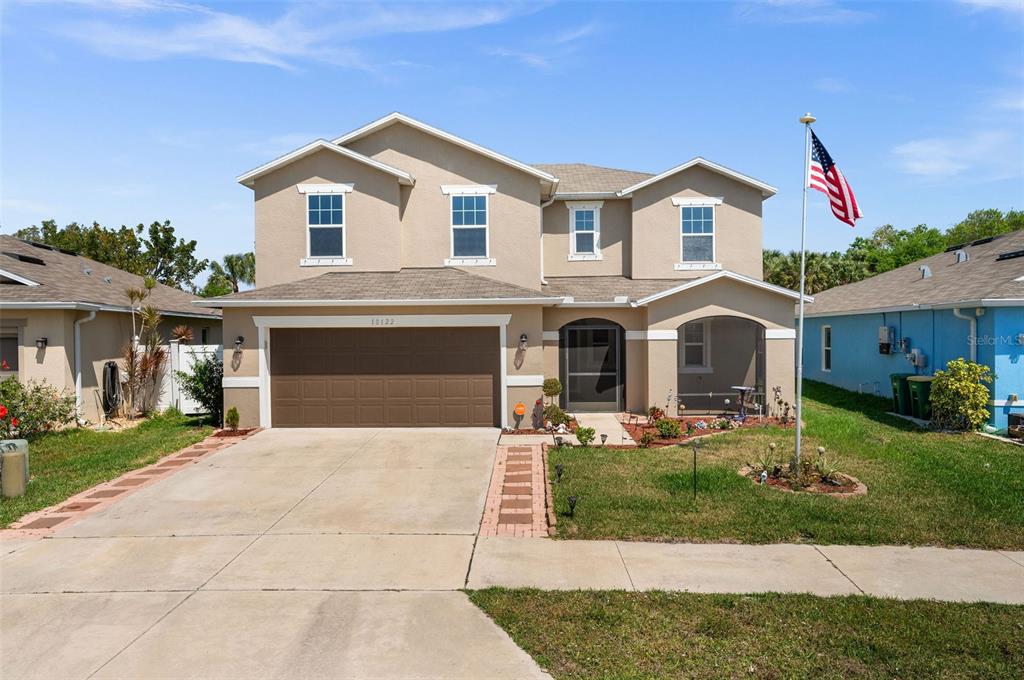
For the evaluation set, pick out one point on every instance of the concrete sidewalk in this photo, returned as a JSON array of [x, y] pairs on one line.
[[884, 571]]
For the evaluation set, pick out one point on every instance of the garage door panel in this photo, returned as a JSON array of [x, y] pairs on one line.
[[384, 377]]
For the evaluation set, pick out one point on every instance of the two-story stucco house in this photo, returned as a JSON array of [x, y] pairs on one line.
[[406, 276]]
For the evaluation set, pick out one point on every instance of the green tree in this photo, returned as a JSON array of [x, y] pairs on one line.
[[154, 251], [226, 278], [984, 223], [888, 247]]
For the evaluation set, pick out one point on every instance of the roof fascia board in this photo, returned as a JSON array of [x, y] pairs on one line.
[[757, 283], [18, 277], [984, 302], [316, 145], [92, 307], [378, 303], [447, 136], [767, 190]]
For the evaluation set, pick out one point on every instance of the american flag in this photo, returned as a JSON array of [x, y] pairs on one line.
[[826, 178]]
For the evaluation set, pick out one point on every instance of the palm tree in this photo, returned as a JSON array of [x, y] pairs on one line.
[[237, 268]]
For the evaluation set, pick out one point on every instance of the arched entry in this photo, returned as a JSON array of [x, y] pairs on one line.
[[592, 365], [718, 355]]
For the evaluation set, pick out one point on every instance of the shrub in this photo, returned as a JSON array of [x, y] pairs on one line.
[[231, 418], [959, 396], [646, 439], [585, 435], [204, 384], [552, 387], [654, 413], [555, 414], [26, 410], [667, 428]]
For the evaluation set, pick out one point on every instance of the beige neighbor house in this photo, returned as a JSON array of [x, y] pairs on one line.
[[62, 317], [406, 276]]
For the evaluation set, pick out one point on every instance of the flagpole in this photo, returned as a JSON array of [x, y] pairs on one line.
[[806, 119]]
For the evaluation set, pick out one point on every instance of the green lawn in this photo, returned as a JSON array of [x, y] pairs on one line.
[[65, 463], [594, 634], [924, 488]]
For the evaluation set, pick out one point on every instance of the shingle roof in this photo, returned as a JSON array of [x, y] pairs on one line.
[[442, 283], [64, 278], [981, 277], [606, 288], [580, 178]]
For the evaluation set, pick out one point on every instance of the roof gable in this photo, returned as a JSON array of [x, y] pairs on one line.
[[393, 118], [724, 274], [249, 178], [766, 189]]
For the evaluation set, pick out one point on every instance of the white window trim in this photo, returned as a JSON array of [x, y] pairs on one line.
[[829, 346], [315, 189], [468, 189], [573, 206], [345, 188], [696, 201], [452, 260], [713, 264], [706, 368]]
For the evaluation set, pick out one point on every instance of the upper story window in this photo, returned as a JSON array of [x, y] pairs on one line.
[[697, 233], [585, 231], [470, 222], [326, 237]]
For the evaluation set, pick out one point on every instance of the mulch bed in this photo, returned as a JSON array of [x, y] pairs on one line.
[[572, 425], [637, 430], [233, 433], [848, 486]]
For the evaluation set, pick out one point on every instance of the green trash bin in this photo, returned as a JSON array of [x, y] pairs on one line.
[[900, 393], [920, 396]]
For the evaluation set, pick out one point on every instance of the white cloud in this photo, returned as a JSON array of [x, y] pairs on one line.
[[986, 154], [573, 34], [533, 59], [156, 29], [550, 50], [832, 85], [799, 12], [1014, 6]]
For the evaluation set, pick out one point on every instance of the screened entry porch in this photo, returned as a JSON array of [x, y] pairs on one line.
[[721, 366]]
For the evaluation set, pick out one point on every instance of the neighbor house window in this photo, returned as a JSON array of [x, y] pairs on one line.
[[205, 335], [698, 234], [326, 221], [469, 226], [826, 348], [8, 352], [584, 231], [694, 347]]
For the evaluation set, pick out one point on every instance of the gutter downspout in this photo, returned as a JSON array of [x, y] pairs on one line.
[[972, 334], [543, 205], [79, 401]]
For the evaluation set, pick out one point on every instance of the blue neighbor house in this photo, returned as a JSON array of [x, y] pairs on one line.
[[967, 302]]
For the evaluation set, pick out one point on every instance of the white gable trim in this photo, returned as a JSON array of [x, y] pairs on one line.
[[757, 283], [16, 277], [766, 189], [318, 145], [447, 136]]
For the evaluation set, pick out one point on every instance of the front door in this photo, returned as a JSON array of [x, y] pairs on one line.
[[592, 368]]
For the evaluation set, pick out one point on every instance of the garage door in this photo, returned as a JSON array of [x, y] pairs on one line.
[[384, 377]]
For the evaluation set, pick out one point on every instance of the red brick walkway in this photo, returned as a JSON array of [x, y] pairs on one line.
[[96, 498], [516, 500]]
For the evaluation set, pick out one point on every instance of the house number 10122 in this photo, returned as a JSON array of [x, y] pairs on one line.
[[382, 321]]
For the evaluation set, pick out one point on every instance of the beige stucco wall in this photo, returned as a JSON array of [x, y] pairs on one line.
[[247, 401], [513, 211], [103, 339], [371, 218], [615, 241], [524, 319], [656, 224]]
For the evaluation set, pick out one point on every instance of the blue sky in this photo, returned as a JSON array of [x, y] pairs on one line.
[[130, 111]]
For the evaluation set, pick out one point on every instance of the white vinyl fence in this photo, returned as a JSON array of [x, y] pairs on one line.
[[180, 358]]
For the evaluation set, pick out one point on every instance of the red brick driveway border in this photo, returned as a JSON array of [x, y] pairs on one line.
[[517, 497], [44, 522]]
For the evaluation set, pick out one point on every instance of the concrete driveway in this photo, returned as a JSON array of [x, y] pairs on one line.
[[295, 553]]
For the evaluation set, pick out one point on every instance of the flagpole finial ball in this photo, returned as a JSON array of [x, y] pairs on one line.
[[807, 119]]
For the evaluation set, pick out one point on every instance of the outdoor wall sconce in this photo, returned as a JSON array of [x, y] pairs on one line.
[[522, 342], [41, 344], [238, 343]]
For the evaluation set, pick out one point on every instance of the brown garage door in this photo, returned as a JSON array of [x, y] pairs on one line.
[[384, 377]]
